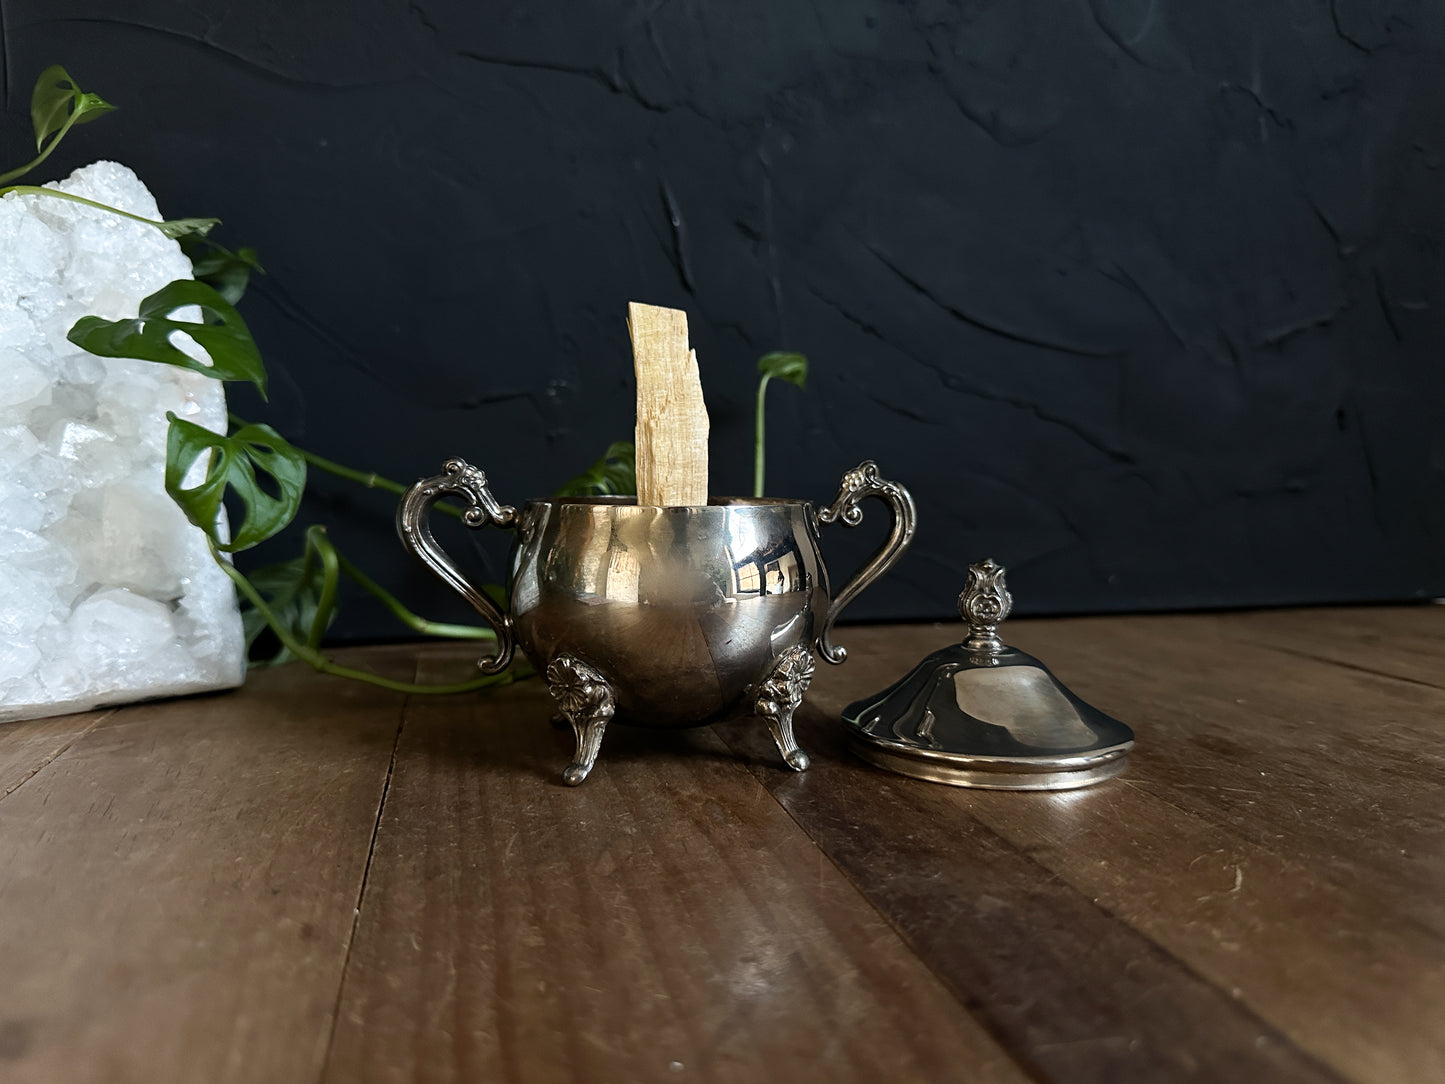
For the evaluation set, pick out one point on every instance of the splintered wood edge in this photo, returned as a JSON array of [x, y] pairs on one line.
[[672, 422]]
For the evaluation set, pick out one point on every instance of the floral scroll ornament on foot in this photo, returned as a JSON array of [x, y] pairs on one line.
[[585, 699], [779, 696]]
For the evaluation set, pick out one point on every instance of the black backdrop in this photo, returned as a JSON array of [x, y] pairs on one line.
[[1142, 298]]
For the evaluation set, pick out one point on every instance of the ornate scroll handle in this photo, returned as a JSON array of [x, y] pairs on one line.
[[864, 481], [464, 480]]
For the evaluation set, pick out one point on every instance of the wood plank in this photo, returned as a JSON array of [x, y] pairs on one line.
[[1074, 993], [1362, 995], [1333, 768], [177, 882], [664, 921], [177, 889], [1282, 911], [1399, 641], [29, 745]]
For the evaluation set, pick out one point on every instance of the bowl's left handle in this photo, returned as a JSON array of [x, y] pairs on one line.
[[463, 480]]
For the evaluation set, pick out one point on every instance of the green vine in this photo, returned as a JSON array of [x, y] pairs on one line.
[[780, 365], [57, 104], [252, 465], [252, 470]]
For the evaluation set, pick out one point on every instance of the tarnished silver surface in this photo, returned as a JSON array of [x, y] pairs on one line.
[[459, 478], [984, 603], [860, 482], [686, 613], [982, 714], [998, 773], [779, 696], [585, 700], [684, 609]]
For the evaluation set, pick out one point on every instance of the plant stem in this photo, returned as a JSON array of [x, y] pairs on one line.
[[369, 479], [37, 190], [326, 601], [42, 156], [320, 662], [758, 438], [406, 617]]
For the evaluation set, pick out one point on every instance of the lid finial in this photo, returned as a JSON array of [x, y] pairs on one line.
[[984, 604]]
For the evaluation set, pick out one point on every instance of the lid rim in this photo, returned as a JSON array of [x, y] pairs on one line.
[[1017, 776]]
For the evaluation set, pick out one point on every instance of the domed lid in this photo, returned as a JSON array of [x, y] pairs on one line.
[[983, 714]]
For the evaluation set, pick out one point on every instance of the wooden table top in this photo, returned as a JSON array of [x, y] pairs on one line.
[[311, 879]]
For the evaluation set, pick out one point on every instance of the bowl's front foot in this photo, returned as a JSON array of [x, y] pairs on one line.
[[778, 695], [585, 700]]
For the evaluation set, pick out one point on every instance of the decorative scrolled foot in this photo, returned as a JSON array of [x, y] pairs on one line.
[[779, 696], [585, 700]]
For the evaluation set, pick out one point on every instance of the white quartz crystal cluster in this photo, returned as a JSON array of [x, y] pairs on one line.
[[107, 594]]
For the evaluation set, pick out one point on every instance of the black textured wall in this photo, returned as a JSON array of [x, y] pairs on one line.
[[1142, 298]]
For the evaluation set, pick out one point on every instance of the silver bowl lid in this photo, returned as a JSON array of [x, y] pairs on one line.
[[983, 714]]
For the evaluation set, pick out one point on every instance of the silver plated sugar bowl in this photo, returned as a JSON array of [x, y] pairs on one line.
[[662, 617]]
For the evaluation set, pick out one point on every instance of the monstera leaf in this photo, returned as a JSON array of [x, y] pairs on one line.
[[237, 462], [615, 474], [57, 104], [220, 331], [784, 365]]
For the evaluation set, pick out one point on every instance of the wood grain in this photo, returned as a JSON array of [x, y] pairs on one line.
[[1404, 641], [28, 746], [672, 422], [1361, 994], [177, 889], [1313, 920], [1074, 993], [664, 921], [1260, 897], [1335, 768]]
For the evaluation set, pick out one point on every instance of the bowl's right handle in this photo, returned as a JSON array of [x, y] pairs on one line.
[[860, 482], [463, 480]]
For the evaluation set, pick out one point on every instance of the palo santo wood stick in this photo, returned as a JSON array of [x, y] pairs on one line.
[[672, 423]]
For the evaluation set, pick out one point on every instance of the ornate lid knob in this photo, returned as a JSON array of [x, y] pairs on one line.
[[984, 604]]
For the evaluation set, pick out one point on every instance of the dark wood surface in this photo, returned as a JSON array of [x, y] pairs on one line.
[[311, 880]]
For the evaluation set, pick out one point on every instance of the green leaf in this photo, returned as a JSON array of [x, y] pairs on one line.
[[224, 334], [58, 104], [229, 272], [292, 588], [237, 462], [779, 365], [615, 474], [784, 365], [188, 227], [301, 595]]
